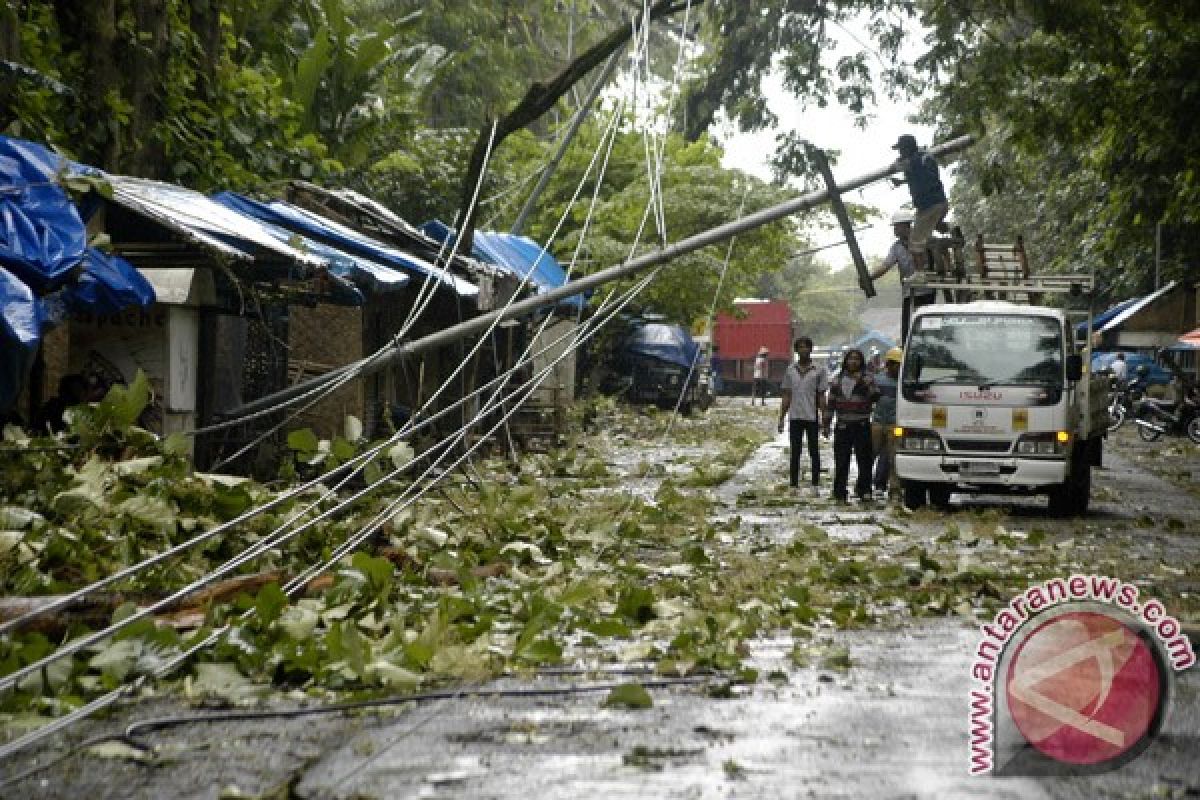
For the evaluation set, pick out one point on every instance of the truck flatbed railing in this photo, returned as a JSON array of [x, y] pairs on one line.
[[998, 271], [1065, 283]]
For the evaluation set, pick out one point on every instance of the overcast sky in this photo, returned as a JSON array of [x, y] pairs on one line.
[[861, 151]]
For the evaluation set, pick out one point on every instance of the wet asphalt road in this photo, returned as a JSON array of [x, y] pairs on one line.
[[894, 724]]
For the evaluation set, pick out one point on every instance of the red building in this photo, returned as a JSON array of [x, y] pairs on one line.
[[738, 337]]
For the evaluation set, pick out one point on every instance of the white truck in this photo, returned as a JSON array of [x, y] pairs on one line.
[[994, 399]]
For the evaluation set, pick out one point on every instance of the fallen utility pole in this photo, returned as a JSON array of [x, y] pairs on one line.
[[397, 352]]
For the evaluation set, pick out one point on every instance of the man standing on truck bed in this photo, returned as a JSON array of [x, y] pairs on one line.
[[928, 194], [898, 256], [803, 405]]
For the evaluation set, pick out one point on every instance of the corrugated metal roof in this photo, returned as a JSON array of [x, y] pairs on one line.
[[342, 237], [203, 221], [1134, 307]]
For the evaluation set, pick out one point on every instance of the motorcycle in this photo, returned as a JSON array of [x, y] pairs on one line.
[[1155, 419], [1120, 406]]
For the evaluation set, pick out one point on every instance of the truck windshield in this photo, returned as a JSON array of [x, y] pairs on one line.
[[985, 350]]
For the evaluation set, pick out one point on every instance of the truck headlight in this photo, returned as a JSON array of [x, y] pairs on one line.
[[1051, 443], [917, 440]]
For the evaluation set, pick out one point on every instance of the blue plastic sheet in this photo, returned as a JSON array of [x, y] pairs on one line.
[[43, 250], [1102, 319], [20, 332], [42, 237], [519, 255], [666, 342], [333, 234], [366, 275], [108, 284]]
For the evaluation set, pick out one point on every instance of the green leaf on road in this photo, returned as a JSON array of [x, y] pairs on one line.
[[630, 696]]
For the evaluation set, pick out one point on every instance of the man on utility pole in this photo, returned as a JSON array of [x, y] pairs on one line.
[[928, 194]]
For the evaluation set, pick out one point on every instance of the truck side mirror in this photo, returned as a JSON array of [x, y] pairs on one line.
[[1074, 367]]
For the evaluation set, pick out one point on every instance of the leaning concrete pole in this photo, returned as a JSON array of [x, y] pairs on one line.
[[572, 130], [397, 352]]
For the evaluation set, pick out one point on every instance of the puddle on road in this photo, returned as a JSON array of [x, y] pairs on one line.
[[853, 532]]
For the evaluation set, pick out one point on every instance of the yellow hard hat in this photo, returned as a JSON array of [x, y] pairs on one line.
[[895, 354]]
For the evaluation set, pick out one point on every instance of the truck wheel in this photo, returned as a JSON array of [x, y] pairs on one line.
[[939, 497], [915, 494], [1193, 430], [1081, 490], [1071, 497], [1059, 505]]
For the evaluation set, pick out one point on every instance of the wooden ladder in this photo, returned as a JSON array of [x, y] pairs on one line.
[[1004, 264]]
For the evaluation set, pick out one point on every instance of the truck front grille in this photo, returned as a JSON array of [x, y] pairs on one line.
[[979, 445]]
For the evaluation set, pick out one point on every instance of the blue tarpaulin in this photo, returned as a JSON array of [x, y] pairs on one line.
[[42, 237], [1102, 319], [336, 235], [20, 332], [43, 248], [367, 275], [107, 285], [666, 342], [519, 255]]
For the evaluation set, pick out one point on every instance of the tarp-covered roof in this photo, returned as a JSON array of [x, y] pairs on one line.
[[366, 274], [334, 234], [1114, 317], [1101, 319], [44, 251], [42, 237], [518, 255], [664, 341]]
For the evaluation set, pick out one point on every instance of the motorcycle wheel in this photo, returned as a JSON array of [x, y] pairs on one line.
[[1116, 417], [1147, 433], [1193, 429]]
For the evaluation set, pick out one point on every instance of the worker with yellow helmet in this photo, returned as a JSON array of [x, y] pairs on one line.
[[883, 418]]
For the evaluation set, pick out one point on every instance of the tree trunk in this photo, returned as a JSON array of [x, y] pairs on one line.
[[10, 51], [146, 70], [92, 28], [540, 98]]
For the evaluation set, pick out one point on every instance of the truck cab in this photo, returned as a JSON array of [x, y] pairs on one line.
[[993, 399]]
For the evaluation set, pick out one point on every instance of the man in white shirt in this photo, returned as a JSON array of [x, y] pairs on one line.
[[803, 406], [900, 257], [759, 389], [1120, 370]]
